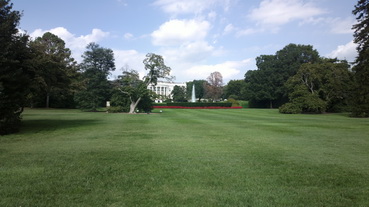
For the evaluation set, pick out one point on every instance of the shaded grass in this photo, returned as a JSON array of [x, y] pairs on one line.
[[185, 158]]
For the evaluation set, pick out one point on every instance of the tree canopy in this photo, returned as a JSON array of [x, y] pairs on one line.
[[319, 87], [214, 88], [16, 69], [235, 89], [266, 84], [179, 93], [54, 68], [360, 98], [200, 86], [135, 88], [96, 66]]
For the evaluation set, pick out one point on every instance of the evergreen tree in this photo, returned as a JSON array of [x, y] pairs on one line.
[[96, 67], [360, 105], [15, 69]]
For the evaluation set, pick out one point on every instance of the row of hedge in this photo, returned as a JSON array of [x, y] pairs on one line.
[[197, 104], [186, 107]]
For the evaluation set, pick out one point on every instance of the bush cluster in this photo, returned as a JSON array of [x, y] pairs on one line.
[[290, 108], [200, 104]]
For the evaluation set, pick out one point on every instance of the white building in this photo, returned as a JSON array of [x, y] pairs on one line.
[[164, 89]]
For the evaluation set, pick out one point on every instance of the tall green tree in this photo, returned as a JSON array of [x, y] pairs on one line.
[[266, 84], [179, 93], [319, 87], [135, 88], [97, 64], [15, 69], [360, 106], [235, 89], [54, 67]]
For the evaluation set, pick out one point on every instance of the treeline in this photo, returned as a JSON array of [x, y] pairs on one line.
[[42, 73], [297, 80]]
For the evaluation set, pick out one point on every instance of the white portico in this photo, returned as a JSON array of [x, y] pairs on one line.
[[164, 89]]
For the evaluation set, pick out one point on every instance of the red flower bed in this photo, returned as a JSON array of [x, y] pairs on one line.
[[183, 107]]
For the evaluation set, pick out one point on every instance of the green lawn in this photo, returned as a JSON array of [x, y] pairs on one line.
[[244, 157]]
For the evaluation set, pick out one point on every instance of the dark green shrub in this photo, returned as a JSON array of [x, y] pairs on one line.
[[311, 104], [145, 104], [200, 104], [290, 108], [233, 102], [117, 109], [10, 123]]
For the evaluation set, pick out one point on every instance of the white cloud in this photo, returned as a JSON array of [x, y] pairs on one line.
[[212, 15], [228, 29], [240, 32], [248, 31], [336, 25], [192, 52], [342, 26], [228, 69], [177, 32], [76, 43], [176, 7], [131, 58], [345, 52], [128, 36], [274, 13]]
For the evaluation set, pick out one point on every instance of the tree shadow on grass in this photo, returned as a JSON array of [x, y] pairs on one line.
[[44, 125]]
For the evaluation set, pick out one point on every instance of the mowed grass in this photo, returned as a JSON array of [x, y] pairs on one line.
[[245, 157]]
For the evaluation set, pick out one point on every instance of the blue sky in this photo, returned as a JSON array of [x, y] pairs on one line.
[[195, 37]]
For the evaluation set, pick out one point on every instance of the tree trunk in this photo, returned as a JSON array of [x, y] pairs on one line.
[[133, 105], [271, 104], [47, 100]]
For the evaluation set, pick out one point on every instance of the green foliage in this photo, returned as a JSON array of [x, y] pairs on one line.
[[119, 102], [156, 68], [234, 102], [320, 87], [117, 109], [310, 103], [16, 69], [360, 95], [131, 93], [200, 104], [55, 72], [130, 84], [179, 94], [96, 66], [244, 104], [266, 84], [235, 89], [145, 105], [290, 108], [200, 86]]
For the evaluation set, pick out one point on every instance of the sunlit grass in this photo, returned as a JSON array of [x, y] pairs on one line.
[[243, 157]]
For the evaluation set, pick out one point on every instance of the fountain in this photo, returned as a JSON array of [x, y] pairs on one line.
[[193, 98]]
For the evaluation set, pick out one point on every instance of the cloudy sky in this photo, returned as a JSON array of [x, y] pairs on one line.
[[195, 37]]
